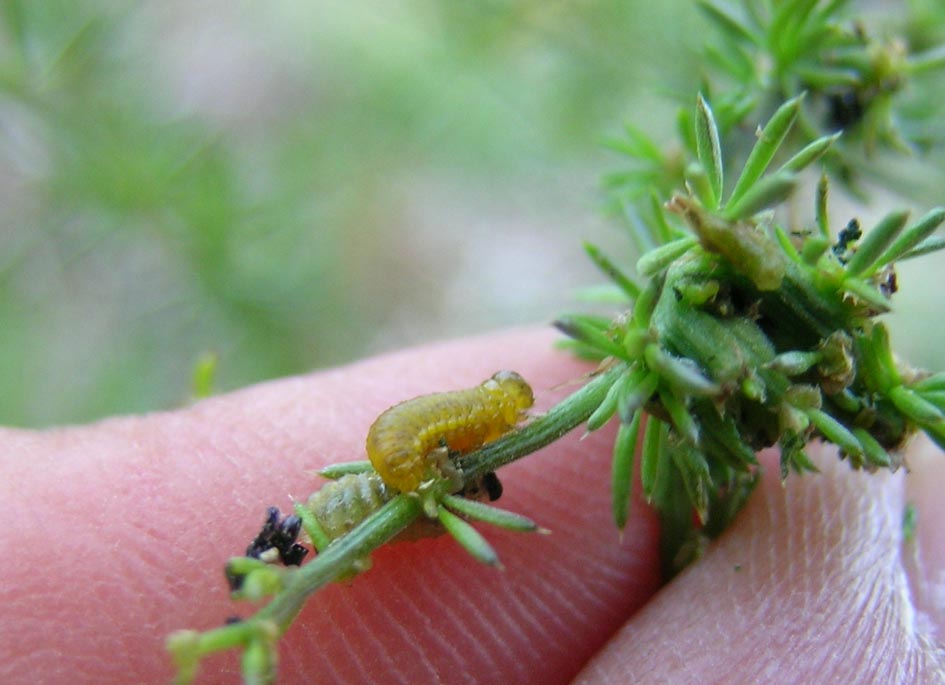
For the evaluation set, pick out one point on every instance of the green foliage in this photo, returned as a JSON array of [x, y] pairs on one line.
[[204, 375], [772, 50], [809, 67], [749, 336], [751, 332]]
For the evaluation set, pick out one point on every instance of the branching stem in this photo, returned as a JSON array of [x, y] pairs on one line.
[[385, 524], [560, 419]]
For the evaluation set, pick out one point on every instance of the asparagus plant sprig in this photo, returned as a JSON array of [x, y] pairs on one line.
[[748, 334], [366, 529]]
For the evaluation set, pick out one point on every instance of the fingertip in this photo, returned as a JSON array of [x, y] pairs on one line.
[[807, 584]]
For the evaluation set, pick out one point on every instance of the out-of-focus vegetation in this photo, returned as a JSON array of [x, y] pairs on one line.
[[296, 184]]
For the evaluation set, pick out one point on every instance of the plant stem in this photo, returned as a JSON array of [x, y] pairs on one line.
[[560, 419], [401, 511], [385, 524], [338, 558]]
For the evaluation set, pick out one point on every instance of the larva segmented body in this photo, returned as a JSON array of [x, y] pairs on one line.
[[404, 442], [338, 507], [342, 504]]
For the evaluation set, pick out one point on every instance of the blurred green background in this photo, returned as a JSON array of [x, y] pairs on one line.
[[292, 185]]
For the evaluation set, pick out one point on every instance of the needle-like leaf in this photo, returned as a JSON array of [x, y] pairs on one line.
[[767, 145], [468, 537], [625, 447], [480, 511], [709, 149]]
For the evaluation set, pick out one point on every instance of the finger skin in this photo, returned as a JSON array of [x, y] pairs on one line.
[[924, 557], [115, 534], [808, 586]]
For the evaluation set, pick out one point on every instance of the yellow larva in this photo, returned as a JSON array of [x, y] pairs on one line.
[[404, 442]]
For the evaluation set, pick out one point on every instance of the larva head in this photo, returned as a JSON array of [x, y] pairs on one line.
[[515, 388]]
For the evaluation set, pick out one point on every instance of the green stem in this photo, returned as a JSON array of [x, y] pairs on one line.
[[560, 419], [338, 557], [385, 524], [401, 511]]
